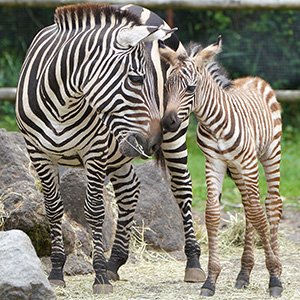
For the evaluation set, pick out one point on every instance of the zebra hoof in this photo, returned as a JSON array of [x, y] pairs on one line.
[[102, 289], [276, 291], [194, 275], [112, 275], [206, 292], [241, 284], [57, 283]]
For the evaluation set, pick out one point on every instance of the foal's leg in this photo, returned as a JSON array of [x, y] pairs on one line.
[[175, 153], [214, 180], [247, 261], [256, 215], [126, 186], [48, 174], [273, 203]]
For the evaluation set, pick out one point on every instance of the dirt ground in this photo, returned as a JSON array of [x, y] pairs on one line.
[[161, 277]]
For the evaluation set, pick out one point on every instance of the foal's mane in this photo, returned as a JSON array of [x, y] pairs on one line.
[[219, 74], [77, 12]]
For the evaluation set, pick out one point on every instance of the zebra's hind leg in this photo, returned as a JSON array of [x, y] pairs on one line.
[[48, 174], [126, 187], [175, 153], [273, 204], [257, 216], [94, 214]]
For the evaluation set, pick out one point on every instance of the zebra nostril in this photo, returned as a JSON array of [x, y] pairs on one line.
[[170, 121]]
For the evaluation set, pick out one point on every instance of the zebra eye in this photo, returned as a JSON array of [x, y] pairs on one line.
[[136, 79], [190, 88]]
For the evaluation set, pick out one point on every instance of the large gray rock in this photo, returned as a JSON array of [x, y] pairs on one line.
[[157, 209], [22, 203], [21, 273]]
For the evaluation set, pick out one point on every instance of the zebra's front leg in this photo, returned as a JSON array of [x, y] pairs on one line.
[[215, 173], [247, 260], [94, 214], [48, 174], [175, 153], [126, 187]]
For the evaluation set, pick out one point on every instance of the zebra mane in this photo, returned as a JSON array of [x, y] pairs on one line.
[[67, 16], [218, 73]]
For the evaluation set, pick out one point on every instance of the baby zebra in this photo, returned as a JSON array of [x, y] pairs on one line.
[[237, 125]]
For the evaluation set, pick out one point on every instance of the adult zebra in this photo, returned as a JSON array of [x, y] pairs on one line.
[[237, 125], [87, 97]]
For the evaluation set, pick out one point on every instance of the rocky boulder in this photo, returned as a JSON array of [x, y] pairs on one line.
[[157, 210], [21, 272], [22, 204]]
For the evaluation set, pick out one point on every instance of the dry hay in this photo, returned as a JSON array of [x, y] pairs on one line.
[[149, 274]]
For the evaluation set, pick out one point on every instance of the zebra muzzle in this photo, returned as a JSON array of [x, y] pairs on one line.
[[171, 122], [133, 146], [136, 145]]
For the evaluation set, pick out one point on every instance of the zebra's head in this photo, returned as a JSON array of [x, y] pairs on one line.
[[120, 85], [184, 82]]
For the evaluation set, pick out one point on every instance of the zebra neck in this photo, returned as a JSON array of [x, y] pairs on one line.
[[210, 106]]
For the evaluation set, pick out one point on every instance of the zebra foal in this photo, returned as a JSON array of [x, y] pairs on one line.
[[236, 125], [87, 98]]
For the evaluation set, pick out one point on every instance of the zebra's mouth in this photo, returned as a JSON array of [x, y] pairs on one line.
[[132, 146]]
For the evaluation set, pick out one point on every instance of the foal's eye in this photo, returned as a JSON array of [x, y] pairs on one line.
[[136, 79], [190, 88]]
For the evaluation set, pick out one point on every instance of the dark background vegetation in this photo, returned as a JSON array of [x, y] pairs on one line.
[[256, 43]]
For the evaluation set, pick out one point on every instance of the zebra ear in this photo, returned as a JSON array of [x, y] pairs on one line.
[[130, 37], [206, 55], [167, 53]]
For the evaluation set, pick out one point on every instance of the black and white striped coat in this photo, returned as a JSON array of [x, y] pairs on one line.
[[96, 106]]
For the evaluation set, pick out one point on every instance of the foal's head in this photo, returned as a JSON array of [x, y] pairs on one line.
[[183, 82]]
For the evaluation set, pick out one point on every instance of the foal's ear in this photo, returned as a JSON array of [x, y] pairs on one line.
[[206, 55], [167, 53]]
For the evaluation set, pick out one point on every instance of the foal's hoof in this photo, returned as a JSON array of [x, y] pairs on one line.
[[102, 289], [112, 275], [206, 292], [276, 291], [194, 275], [57, 283], [208, 288], [241, 284]]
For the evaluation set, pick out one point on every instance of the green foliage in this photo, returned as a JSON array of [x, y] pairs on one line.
[[7, 116], [18, 26], [256, 43], [10, 64]]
